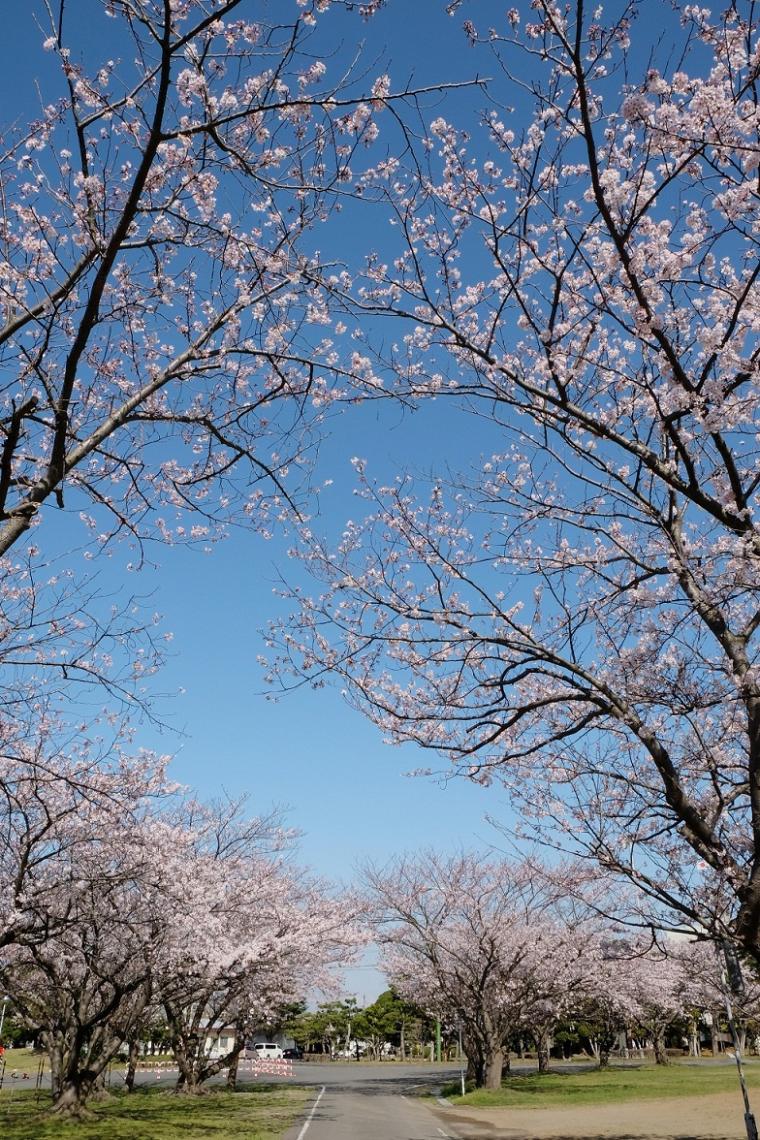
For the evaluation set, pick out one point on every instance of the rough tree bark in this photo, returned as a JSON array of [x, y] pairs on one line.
[[134, 1053], [543, 1047], [660, 1053], [494, 1067]]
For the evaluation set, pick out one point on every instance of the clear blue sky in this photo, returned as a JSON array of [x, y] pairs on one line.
[[309, 752]]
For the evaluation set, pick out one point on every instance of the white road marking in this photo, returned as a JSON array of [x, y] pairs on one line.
[[310, 1117]]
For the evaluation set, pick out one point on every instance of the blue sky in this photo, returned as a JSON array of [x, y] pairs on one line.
[[307, 751]]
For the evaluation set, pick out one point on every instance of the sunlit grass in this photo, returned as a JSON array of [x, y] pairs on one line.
[[25, 1059], [594, 1086]]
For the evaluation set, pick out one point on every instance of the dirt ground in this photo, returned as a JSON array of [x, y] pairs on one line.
[[716, 1117]]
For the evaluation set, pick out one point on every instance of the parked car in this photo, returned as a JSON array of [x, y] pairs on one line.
[[294, 1054], [267, 1050]]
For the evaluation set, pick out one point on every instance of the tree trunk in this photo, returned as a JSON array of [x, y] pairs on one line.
[[70, 1102], [494, 1068], [603, 1056], [402, 1042], [134, 1053], [233, 1071], [99, 1089], [187, 1079], [234, 1056], [189, 1082], [70, 1099], [714, 1040], [195, 1067], [694, 1047], [476, 1070], [660, 1054], [71, 1083], [543, 1046]]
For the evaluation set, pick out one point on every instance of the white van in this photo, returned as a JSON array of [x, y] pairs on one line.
[[268, 1050]]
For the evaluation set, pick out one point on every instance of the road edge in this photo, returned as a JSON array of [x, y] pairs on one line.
[[298, 1130]]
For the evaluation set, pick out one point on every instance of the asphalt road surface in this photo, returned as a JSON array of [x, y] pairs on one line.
[[338, 1114], [371, 1102]]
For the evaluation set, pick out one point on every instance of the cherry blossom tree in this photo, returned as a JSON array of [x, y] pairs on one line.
[[61, 798], [75, 921], [122, 897], [66, 638], [473, 942], [633, 989], [166, 360], [605, 1005], [85, 987], [706, 986], [577, 618], [656, 985], [153, 274], [242, 933]]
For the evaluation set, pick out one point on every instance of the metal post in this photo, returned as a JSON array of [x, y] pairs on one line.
[[461, 1060], [735, 983], [40, 1071]]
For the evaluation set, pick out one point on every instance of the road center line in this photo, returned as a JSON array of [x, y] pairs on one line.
[[309, 1118]]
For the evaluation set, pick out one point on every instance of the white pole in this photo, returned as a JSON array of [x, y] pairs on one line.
[[735, 984], [461, 1059]]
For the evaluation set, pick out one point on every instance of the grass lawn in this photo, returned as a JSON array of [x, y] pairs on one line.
[[161, 1115], [23, 1059], [561, 1090]]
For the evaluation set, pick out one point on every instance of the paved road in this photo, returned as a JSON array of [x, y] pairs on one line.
[[371, 1102], [338, 1114], [374, 1079]]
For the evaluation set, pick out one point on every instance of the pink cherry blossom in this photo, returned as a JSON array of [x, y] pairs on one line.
[[576, 618]]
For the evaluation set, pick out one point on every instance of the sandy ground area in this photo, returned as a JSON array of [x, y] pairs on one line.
[[717, 1117]]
